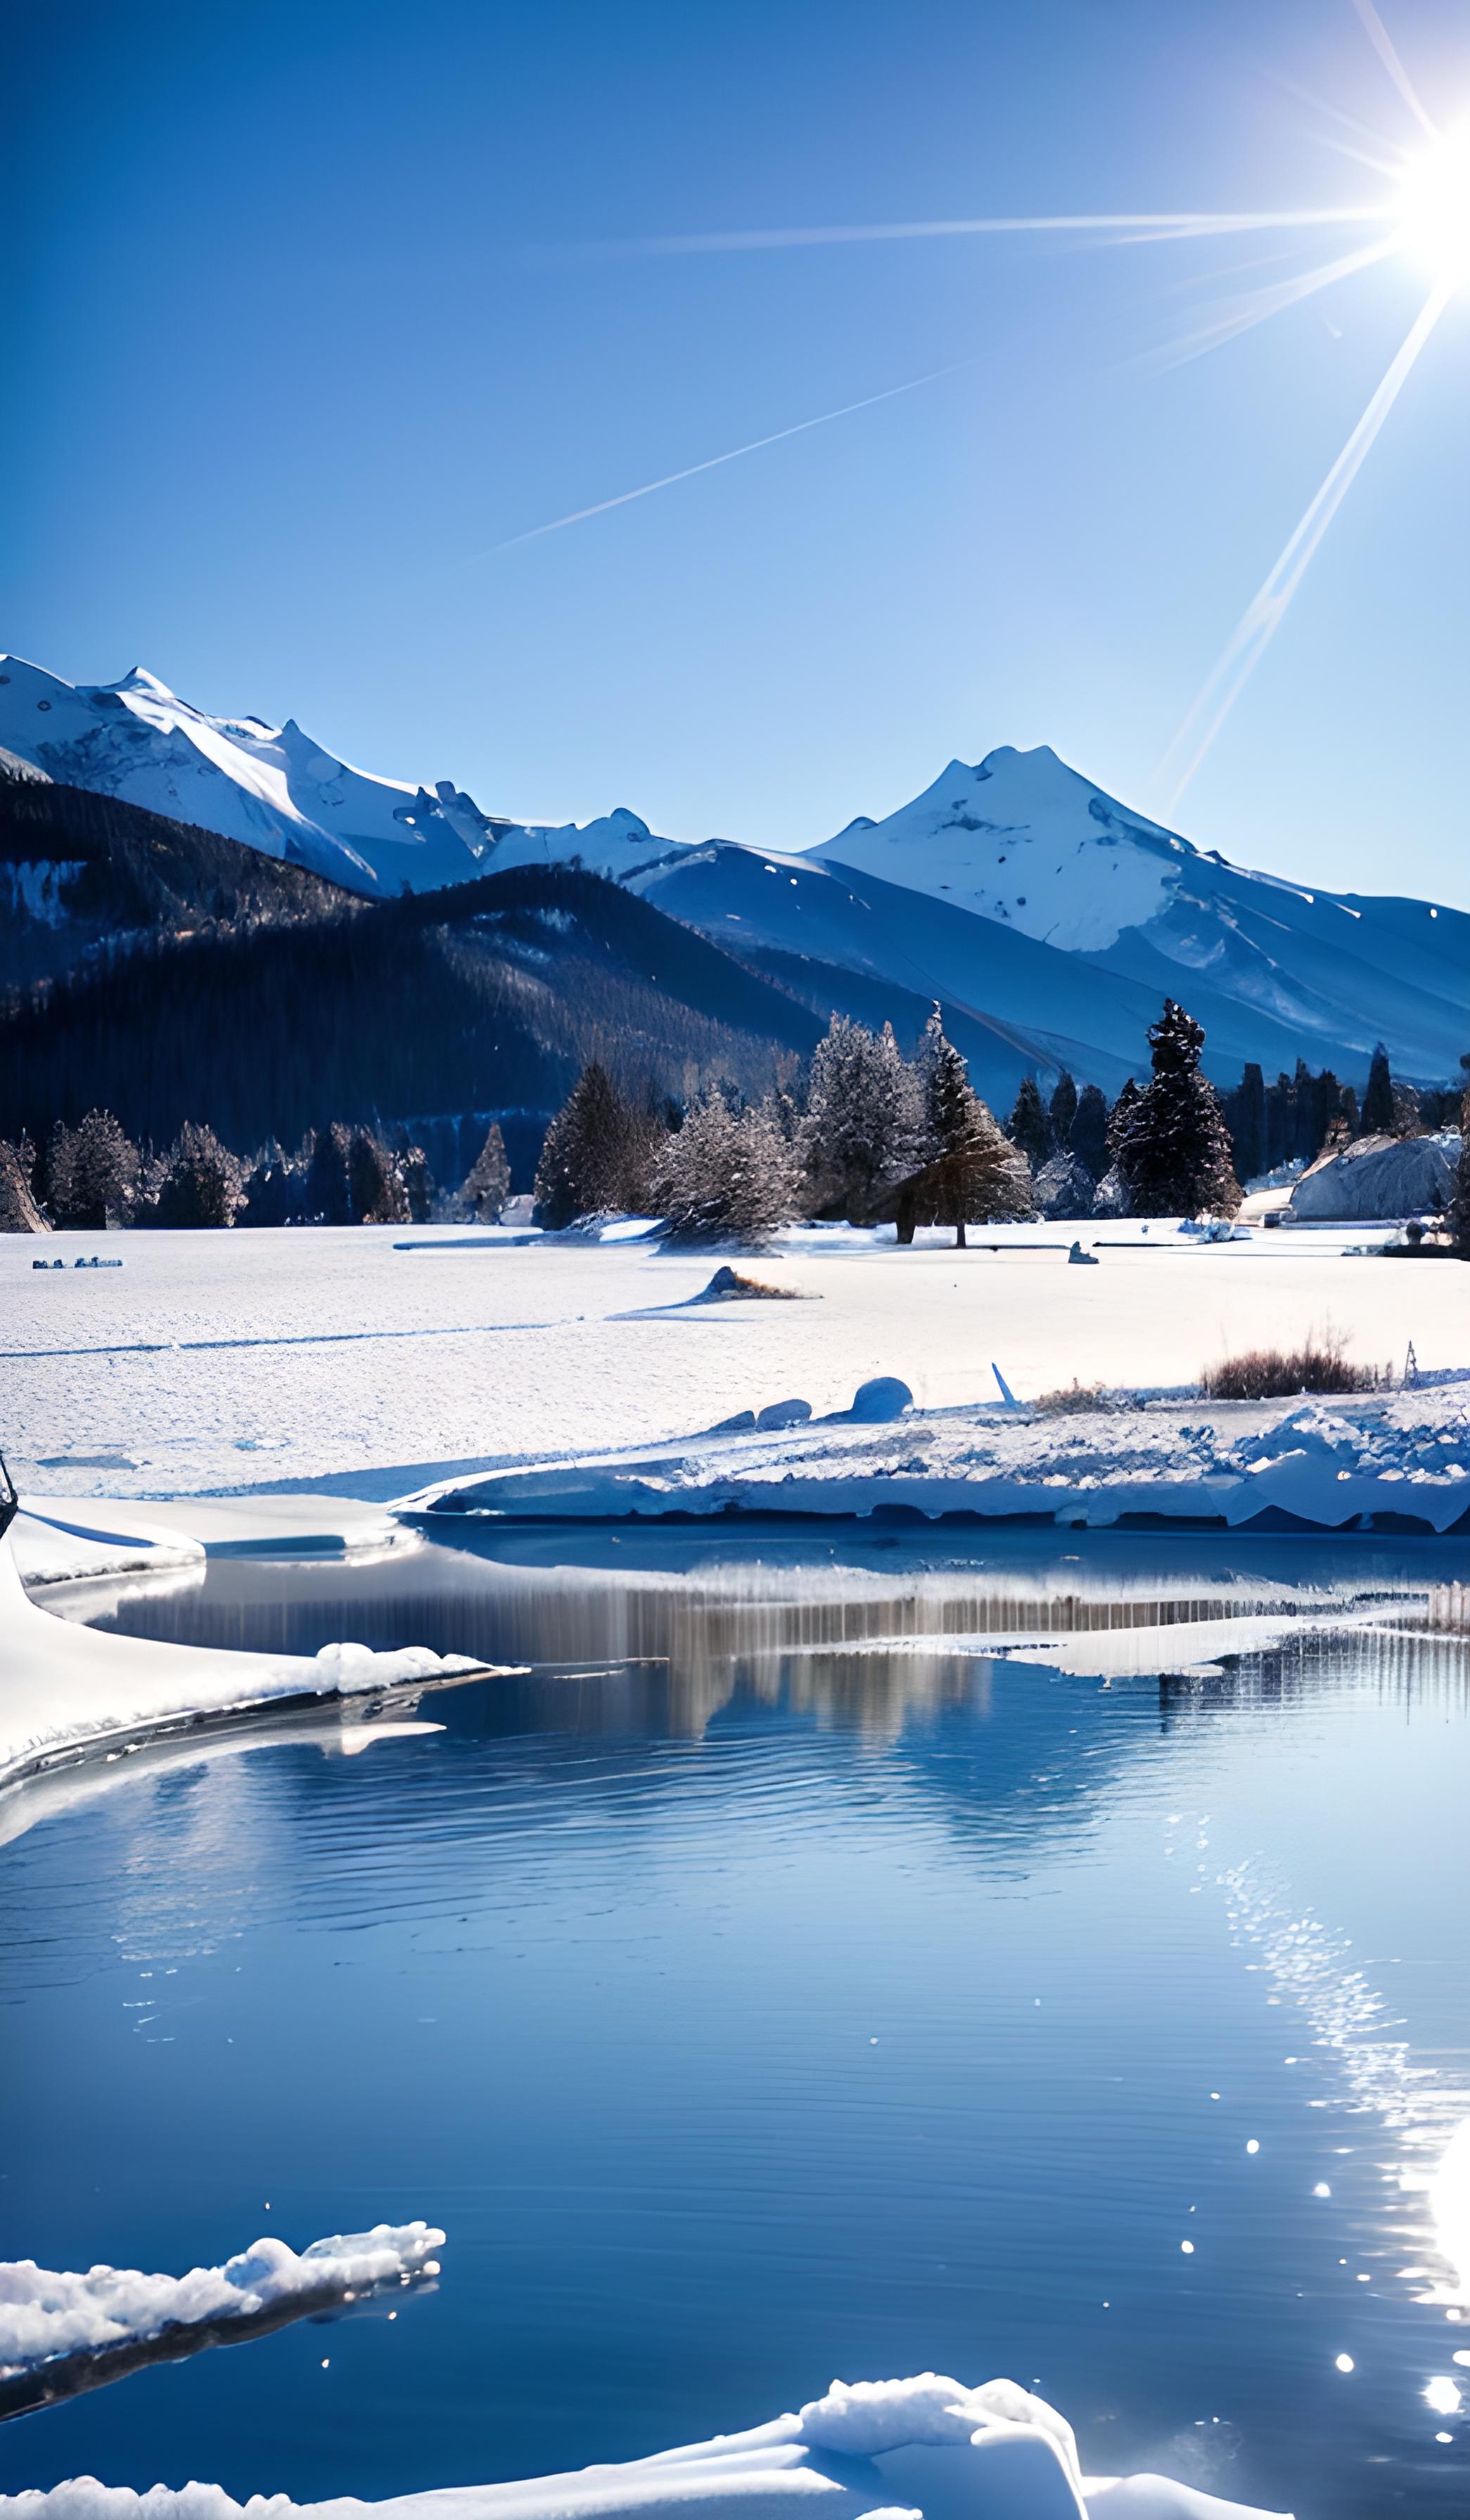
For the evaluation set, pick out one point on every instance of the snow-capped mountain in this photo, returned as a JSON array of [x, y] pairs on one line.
[[1048, 916], [271, 787]]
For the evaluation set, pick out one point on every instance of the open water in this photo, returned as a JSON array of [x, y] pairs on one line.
[[831, 1957]]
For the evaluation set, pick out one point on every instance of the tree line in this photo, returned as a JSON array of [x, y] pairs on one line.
[[859, 1132]]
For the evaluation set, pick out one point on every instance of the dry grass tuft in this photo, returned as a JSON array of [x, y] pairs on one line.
[[1280, 1374], [1073, 1400]]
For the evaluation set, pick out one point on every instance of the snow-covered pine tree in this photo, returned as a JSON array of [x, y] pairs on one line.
[[488, 1184], [585, 1161], [92, 1172], [862, 1122], [726, 1175], [1026, 1127], [1377, 1115], [1088, 1135], [1173, 1146], [1061, 1111], [974, 1175], [201, 1183], [1458, 1219]]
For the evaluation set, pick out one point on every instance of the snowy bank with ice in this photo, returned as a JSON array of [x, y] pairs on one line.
[[1385, 1460], [65, 1691], [923, 2449], [61, 2333]]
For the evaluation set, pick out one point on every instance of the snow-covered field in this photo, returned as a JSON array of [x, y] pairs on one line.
[[214, 1361]]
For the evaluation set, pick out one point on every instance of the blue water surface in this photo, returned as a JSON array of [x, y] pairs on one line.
[[753, 2004]]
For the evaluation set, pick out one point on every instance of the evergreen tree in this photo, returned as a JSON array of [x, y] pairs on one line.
[[1174, 1149], [588, 1154], [377, 1194], [1307, 1135], [1088, 1139], [91, 1172], [975, 1175], [863, 1118], [327, 1194], [1378, 1099], [1408, 1119], [1246, 1113], [200, 1185], [1120, 1116], [726, 1175], [1027, 1126], [488, 1184], [275, 1192], [1062, 1112]]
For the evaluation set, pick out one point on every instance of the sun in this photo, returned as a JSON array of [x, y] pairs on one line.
[[1434, 209]]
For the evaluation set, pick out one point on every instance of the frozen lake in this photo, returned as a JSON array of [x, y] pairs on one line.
[[769, 1986]]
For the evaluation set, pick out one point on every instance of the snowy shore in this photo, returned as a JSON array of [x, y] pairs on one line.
[[66, 1691], [923, 2449], [1392, 1462]]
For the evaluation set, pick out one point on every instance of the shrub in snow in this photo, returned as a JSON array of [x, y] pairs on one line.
[[1172, 1146], [200, 1184], [1273, 1374], [863, 1125], [597, 1154], [19, 1212], [486, 1185], [725, 1175], [92, 1172]]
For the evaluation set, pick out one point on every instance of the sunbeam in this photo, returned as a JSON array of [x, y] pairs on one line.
[[1146, 227], [665, 481], [1378, 36], [1263, 618], [1256, 307]]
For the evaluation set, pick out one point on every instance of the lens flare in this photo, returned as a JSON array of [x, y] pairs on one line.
[[1434, 222]]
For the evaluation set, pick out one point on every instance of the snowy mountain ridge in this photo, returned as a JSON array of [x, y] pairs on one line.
[[1024, 897]]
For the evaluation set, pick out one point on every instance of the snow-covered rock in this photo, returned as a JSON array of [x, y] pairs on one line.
[[994, 2453], [1379, 1177], [1065, 1188]]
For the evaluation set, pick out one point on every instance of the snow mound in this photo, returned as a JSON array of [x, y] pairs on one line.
[[990, 2453], [1379, 1177], [44, 2315]]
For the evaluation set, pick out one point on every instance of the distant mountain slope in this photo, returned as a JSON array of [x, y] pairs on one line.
[[1050, 917], [439, 1010], [78, 872]]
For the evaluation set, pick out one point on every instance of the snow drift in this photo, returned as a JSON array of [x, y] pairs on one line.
[[994, 2453]]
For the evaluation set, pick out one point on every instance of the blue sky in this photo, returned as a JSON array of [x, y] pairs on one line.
[[315, 304]]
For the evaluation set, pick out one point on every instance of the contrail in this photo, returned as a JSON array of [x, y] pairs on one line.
[[1264, 616], [1143, 225], [665, 481], [1382, 42]]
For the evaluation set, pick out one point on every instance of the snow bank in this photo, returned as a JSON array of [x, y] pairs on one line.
[[44, 2316], [66, 1689], [990, 2453], [1400, 1460]]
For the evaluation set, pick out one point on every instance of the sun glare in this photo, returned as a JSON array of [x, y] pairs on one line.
[[1433, 226]]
